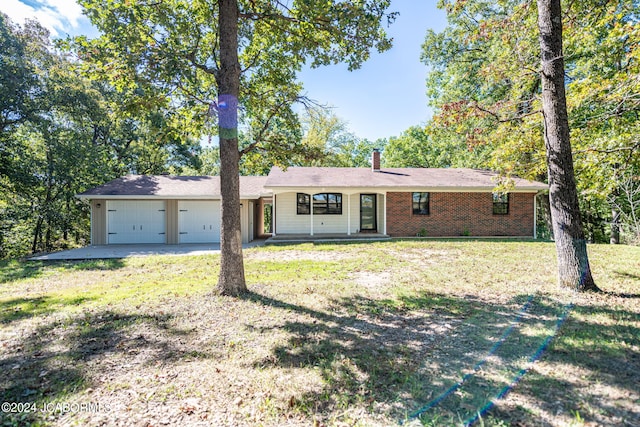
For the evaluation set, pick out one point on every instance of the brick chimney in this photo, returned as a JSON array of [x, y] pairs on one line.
[[375, 160]]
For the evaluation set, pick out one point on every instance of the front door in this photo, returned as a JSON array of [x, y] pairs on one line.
[[368, 212]]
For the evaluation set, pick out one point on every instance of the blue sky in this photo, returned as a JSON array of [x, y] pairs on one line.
[[381, 99]]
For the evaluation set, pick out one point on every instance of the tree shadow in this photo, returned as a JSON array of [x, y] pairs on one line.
[[390, 357], [67, 354], [21, 308], [459, 351], [595, 372], [372, 352], [12, 270], [627, 275]]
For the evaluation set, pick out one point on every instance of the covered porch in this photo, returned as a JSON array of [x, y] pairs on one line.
[[329, 213]]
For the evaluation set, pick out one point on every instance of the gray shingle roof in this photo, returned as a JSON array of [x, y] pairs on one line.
[[207, 187], [173, 187], [434, 178]]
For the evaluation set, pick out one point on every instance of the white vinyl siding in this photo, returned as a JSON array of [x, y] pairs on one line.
[[288, 221], [323, 224], [354, 207]]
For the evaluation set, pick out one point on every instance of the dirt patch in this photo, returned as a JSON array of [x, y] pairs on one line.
[[295, 255], [371, 280]]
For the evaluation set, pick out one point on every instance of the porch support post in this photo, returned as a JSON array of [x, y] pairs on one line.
[[311, 212], [348, 214], [384, 213], [273, 216]]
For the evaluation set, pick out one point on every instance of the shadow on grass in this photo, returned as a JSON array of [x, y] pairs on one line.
[[67, 355], [627, 275], [401, 355], [13, 270], [22, 308], [596, 372], [388, 357], [370, 352]]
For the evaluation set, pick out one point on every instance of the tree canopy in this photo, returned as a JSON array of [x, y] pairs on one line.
[[237, 59], [63, 133], [172, 49], [485, 87]]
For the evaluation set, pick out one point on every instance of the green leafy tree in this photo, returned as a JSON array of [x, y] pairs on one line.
[[328, 142], [573, 261], [431, 147], [20, 88], [63, 134], [239, 60], [626, 202], [486, 84], [18, 82]]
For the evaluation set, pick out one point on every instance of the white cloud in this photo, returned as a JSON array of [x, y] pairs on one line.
[[59, 16], [68, 9]]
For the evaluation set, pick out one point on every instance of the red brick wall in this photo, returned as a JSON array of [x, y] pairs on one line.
[[375, 160], [459, 214]]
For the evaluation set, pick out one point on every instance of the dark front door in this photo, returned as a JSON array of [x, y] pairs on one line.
[[368, 212]]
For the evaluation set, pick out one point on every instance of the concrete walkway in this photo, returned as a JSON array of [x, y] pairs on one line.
[[125, 251]]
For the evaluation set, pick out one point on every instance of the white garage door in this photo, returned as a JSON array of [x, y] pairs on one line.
[[199, 221], [136, 221]]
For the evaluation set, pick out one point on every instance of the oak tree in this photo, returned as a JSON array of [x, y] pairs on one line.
[[485, 86], [574, 270], [238, 59]]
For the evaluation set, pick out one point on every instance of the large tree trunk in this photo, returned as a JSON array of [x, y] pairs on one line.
[[573, 263], [231, 280]]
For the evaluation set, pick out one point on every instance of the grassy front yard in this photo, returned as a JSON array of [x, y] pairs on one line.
[[343, 334]]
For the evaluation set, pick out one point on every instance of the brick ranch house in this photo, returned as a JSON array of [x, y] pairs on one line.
[[315, 201]]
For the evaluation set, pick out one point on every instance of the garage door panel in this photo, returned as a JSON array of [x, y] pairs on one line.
[[136, 221], [151, 221], [199, 221]]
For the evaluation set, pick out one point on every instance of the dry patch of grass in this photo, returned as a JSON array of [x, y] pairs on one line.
[[354, 334]]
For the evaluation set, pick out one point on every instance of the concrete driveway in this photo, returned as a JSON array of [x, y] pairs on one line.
[[125, 251]]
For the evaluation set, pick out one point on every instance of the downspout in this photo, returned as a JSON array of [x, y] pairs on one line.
[[535, 216]]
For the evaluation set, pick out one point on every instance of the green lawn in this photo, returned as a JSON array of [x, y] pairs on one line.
[[362, 334]]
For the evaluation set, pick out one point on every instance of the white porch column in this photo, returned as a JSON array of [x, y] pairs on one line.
[[348, 214], [273, 216], [384, 213], [311, 211]]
